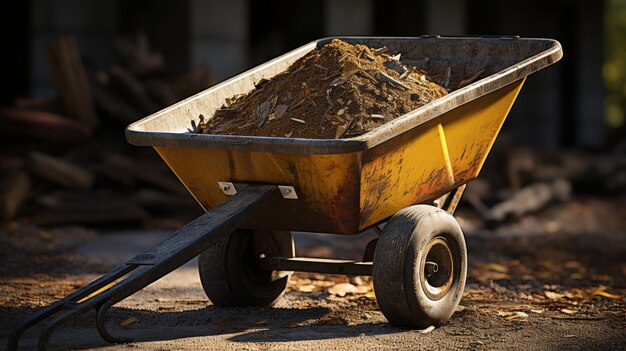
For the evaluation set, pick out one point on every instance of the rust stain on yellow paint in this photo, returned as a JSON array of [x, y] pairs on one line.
[[346, 193]]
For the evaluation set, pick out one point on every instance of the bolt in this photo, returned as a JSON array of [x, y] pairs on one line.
[[431, 267]]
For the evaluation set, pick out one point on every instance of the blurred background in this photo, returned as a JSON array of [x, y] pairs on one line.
[[76, 72], [544, 223]]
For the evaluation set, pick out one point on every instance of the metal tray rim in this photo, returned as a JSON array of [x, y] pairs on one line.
[[137, 136]]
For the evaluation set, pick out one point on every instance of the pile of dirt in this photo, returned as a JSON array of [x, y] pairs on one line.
[[337, 91]]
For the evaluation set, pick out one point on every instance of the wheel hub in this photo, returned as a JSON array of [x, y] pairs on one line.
[[436, 268]]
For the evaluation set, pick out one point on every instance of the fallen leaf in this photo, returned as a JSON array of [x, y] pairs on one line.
[[427, 330], [371, 294], [263, 322], [525, 296], [576, 293], [536, 311], [517, 315], [129, 321], [357, 281], [485, 276], [553, 295], [512, 315], [568, 311], [362, 289], [306, 288], [496, 267], [342, 289], [606, 294]]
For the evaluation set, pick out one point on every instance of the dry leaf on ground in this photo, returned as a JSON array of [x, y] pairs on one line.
[[427, 330], [553, 295], [342, 289], [512, 315], [306, 288], [606, 294], [496, 267]]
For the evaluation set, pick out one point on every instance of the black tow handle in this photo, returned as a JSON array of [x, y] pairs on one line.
[[149, 266]]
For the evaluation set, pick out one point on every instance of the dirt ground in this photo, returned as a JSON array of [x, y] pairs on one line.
[[556, 280]]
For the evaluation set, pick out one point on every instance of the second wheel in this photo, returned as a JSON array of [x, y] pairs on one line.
[[230, 273]]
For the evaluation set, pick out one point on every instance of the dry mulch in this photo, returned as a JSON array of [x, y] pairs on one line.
[[337, 91]]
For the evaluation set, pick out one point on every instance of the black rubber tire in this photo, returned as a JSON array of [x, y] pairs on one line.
[[230, 274], [400, 257]]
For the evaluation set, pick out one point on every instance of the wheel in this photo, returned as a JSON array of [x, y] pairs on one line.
[[420, 267], [230, 273]]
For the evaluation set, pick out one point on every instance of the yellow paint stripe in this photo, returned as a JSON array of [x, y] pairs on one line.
[[446, 154], [97, 292]]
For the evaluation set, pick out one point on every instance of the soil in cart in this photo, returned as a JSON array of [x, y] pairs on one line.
[[337, 91]]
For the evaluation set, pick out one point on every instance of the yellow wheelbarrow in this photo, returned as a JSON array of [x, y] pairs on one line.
[[409, 173]]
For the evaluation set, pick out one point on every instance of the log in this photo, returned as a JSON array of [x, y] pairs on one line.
[[118, 163], [60, 171], [44, 126], [530, 199], [124, 214], [71, 80], [76, 200], [136, 54], [115, 106], [40, 104], [15, 191], [158, 200], [193, 82], [134, 89], [161, 91], [10, 163]]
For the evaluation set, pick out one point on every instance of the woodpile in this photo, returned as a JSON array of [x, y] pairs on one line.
[[65, 160], [535, 180]]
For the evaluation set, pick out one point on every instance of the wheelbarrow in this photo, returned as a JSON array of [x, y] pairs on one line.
[[407, 174]]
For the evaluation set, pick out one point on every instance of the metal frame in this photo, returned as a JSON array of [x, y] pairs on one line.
[[317, 265], [450, 201], [447, 202]]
